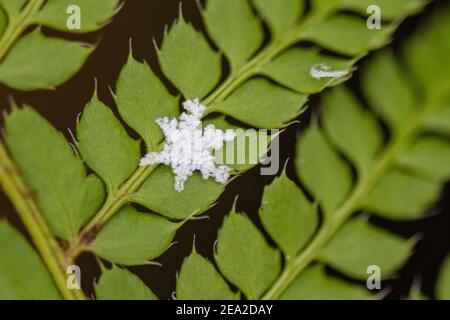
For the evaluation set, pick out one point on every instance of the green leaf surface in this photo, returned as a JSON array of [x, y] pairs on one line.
[[159, 195], [188, 61], [359, 244], [315, 284], [3, 21], [401, 196], [354, 131], [261, 104], [27, 65], [121, 284], [23, 275], [287, 215], [12, 7], [141, 99], [234, 28], [199, 280], [385, 85], [280, 15], [439, 119], [245, 151], [322, 171], [347, 35], [293, 69], [66, 196], [93, 14], [105, 145], [389, 9], [443, 281], [134, 238], [429, 155], [244, 257], [426, 55]]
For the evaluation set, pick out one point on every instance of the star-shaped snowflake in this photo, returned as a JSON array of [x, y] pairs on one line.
[[188, 148]]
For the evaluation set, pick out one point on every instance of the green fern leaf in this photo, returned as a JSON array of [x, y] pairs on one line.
[[120, 284], [142, 98], [67, 197], [197, 197], [24, 60], [22, 273], [287, 215], [280, 15], [199, 280], [443, 282], [188, 61], [315, 284], [134, 238], [244, 257], [105, 145], [234, 28], [359, 245]]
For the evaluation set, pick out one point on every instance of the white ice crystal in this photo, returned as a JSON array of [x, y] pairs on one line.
[[323, 70], [188, 148]]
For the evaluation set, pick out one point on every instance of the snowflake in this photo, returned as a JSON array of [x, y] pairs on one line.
[[188, 148]]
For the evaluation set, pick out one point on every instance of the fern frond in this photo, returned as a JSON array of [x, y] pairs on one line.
[[397, 179], [258, 80]]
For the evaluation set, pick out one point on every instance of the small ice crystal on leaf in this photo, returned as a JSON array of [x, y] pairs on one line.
[[189, 148], [323, 70]]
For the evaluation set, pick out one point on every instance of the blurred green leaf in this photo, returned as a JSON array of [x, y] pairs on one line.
[[287, 215], [359, 244], [280, 15], [244, 257], [322, 171], [353, 130], [288, 71], [23, 276], [443, 282], [430, 155], [401, 196], [315, 284], [347, 35], [389, 93]]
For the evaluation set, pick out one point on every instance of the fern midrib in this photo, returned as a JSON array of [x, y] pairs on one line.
[[17, 26], [334, 221], [125, 192]]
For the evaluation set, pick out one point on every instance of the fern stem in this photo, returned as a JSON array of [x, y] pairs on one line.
[[17, 26], [49, 249], [333, 222], [111, 206]]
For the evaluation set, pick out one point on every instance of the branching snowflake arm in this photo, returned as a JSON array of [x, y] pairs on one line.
[[189, 148]]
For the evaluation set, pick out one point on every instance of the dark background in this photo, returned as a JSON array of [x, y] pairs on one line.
[[141, 20]]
